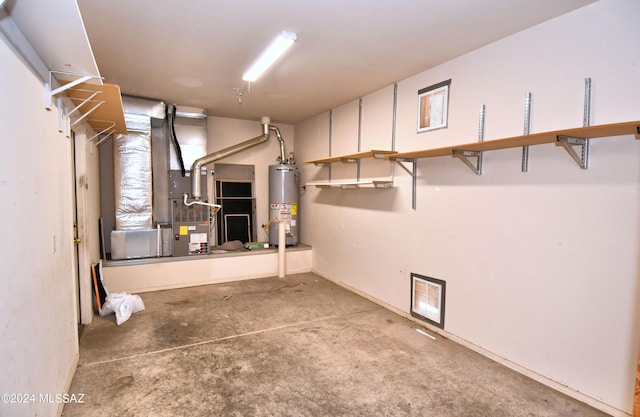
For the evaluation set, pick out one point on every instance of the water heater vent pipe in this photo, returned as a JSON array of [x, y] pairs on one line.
[[196, 186], [279, 136]]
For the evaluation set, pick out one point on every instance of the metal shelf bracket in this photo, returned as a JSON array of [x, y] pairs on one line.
[[108, 131], [464, 156], [569, 143], [49, 93], [62, 104], [414, 180], [87, 113], [83, 102], [407, 170], [380, 155]]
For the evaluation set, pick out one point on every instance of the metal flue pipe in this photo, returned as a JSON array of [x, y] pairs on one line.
[[279, 136], [196, 186]]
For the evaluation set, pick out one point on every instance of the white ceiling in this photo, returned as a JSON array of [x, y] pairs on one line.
[[54, 29], [193, 53]]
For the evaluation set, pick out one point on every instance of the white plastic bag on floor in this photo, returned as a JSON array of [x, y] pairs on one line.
[[123, 305]]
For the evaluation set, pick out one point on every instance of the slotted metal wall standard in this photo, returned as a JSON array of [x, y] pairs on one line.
[[567, 139]]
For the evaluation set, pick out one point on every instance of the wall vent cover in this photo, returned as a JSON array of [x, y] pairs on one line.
[[428, 299]]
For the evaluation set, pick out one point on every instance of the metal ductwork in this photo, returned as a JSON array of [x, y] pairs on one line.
[[133, 236], [137, 206], [154, 109], [132, 175], [153, 214], [196, 184]]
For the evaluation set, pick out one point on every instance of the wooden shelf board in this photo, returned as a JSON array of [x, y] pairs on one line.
[[110, 111], [353, 184], [354, 156], [599, 131]]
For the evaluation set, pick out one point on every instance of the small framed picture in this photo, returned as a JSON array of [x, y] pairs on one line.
[[428, 299], [433, 106]]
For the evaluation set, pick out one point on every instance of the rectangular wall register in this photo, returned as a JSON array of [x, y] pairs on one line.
[[428, 299]]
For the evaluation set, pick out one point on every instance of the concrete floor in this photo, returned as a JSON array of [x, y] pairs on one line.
[[298, 346]]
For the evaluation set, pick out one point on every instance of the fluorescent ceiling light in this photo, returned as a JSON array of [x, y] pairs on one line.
[[270, 55]]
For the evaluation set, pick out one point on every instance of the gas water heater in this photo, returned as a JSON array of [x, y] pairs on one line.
[[283, 202]]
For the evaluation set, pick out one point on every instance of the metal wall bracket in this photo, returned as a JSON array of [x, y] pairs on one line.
[[104, 139], [380, 155], [88, 112], [62, 104], [49, 93], [108, 131], [407, 170], [414, 177], [464, 156], [568, 143], [83, 102], [64, 126]]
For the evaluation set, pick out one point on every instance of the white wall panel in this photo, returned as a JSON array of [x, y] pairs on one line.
[[541, 267], [377, 120], [38, 320]]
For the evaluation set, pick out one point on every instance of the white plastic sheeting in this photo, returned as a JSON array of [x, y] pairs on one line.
[[123, 305]]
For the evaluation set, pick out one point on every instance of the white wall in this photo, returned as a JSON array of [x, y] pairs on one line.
[[87, 174], [204, 270], [38, 322], [225, 132], [541, 267]]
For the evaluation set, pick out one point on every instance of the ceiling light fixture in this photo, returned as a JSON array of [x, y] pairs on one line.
[[270, 55]]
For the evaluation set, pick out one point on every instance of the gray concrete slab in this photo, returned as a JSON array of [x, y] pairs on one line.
[[297, 346]]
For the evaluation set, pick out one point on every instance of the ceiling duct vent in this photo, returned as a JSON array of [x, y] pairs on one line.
[[190, 112]]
